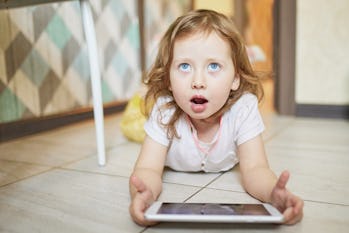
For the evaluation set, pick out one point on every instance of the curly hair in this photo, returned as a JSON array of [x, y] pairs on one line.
[[157, 79]]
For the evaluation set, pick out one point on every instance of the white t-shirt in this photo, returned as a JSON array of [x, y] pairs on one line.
[[238, 125]]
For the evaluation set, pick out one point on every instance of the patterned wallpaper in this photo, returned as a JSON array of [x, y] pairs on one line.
[[117, 29], [43, 56], [158, 15]]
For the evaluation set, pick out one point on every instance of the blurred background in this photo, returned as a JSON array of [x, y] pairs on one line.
[[44, 70]]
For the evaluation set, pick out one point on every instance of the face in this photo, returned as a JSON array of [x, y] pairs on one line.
[[202, 74]]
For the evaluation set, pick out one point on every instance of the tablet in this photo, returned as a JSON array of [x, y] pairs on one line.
[[213, 212]]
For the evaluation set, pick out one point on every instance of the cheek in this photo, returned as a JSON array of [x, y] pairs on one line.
[[221, 92], [222, 96], [180, 99], [176, 88], [178, 83], [177, 91]]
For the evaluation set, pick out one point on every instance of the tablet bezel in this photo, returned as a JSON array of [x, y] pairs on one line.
[[274, 217]]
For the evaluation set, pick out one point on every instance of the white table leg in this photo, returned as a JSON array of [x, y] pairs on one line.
[[90, 34]]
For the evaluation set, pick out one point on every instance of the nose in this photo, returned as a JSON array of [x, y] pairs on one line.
[[198, 81]]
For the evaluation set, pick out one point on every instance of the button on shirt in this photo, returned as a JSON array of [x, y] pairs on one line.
[[241, 123]]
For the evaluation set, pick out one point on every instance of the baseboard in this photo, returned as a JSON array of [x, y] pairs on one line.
[[323, 111], [13, 130]]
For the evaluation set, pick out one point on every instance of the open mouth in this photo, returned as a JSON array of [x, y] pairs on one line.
[[198, 100]]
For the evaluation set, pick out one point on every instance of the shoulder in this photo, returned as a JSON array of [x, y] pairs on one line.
[[160, 111], [247, 99], [245, 103], [162, 100], [245, 108], [155, 126], [160, 104], [245, 118]]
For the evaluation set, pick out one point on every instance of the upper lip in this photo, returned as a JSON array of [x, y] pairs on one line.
[[198, 99]]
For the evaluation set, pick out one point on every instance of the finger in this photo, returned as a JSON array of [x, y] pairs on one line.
[[137, 209], [288, 214], [298, 207], [291, 217], [138, 213], [294, 218], [291, 200], [295, 202], [283, 179], [138, 184]]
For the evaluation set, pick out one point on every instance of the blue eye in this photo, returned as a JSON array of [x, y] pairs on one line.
[[185, 67], [212, 67]]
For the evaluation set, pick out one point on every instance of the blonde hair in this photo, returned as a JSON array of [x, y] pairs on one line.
[[199, 21]]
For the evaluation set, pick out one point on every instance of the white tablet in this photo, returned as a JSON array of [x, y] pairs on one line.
[[213, 212]]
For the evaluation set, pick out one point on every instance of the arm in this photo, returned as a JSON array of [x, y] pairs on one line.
[[257, 178], [259, 181], [146, 179]]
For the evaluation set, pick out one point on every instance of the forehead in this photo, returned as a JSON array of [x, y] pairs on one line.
[[199, 34], [210, 43]]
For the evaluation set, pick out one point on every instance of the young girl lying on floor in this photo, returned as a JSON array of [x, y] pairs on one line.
[[203, 115]]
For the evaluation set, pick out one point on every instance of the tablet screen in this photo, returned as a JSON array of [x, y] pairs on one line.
[[212, 209]]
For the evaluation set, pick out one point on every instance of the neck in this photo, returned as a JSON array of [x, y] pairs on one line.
[[206, 128]]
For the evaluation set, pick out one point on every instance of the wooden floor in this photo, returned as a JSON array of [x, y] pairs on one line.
[[50, 182]]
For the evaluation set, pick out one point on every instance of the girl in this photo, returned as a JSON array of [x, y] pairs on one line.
[[202, 104]]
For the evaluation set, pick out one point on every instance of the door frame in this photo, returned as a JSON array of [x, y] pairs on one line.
[[284, 51], [284, 56]]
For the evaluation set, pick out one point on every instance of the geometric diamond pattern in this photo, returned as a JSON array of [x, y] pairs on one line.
[[43, 44], [106, 92], [80, 64], [44, 16], [158, 16], [16, 52], [26, 91], [35, 67], [125, 24], [48, 88], [69, 53], [58, 31], [119, 47], [109, 52], [11, 107], [43, 55]]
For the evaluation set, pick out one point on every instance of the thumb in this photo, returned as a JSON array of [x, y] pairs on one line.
[[138, 184], [283, 179]]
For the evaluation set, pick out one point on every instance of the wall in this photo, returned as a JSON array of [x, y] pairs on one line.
[[43, 57], [158, 15], [223, 6], [322, 53]]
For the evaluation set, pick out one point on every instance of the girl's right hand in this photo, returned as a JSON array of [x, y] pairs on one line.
[[142, 199]]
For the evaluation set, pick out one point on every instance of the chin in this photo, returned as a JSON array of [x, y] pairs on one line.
[[200, 116]]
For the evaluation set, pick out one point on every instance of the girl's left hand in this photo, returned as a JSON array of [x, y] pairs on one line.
[[287, 203]]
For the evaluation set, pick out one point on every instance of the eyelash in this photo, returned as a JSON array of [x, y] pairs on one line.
[[185, 66], [218, 66], [182, 68]]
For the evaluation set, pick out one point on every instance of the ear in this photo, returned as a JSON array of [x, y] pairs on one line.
[[236, 83]]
